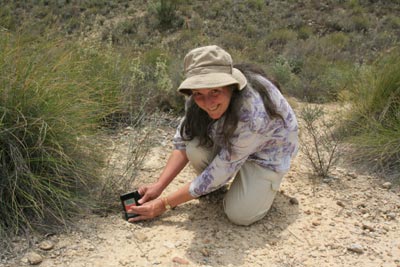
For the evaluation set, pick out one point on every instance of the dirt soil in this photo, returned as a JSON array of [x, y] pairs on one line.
[[349, 220]]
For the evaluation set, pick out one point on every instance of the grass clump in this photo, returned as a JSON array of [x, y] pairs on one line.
[[52, 97], [374, 120]]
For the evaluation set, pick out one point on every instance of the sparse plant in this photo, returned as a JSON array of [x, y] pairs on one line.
[[319, 141], [126, 160]]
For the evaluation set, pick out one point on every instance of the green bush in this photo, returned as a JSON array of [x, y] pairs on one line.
[[52, 97], [304, 32], [374, 120], [280, 37], [166, 13], [7, 18]]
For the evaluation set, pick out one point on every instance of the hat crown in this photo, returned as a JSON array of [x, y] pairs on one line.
[[207, 59]]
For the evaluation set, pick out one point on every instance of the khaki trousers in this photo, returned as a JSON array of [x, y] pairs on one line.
[[252, 191]]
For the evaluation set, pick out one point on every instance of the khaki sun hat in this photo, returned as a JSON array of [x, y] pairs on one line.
[[210, 67]]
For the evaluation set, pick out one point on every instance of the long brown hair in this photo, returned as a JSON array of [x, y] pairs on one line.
[[197, 122]]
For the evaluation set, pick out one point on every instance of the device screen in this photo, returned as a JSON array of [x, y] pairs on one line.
[[129, 203]]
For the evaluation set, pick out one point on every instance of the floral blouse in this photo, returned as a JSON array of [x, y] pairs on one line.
[[269, 142]]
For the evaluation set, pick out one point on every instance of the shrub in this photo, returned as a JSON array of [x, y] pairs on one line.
[[52, 97], [319, 142], [280, 37], [282, 70], [360, 23], [374, 120], [7, 18], [304, 32], [165, 12]]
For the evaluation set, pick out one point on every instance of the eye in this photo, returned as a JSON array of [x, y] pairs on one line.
[[196, 94], [215, 92]]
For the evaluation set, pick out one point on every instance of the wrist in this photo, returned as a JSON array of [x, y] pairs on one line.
[[166, 203]]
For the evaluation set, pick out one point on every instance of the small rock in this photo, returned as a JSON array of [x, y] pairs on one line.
[[352, 175], [316, 223], [46, 245], [169, 245], [205, 252], [368, 227], [140, 236], [123, 263], [180, 261], [391, 216], [364, 211], [340, 203], [387, 185], [357, 248], [34, 258], [293, 201]]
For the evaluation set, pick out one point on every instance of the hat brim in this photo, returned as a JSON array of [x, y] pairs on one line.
[[213, 80]]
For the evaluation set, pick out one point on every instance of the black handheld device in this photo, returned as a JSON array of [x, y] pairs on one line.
[[128, 200]]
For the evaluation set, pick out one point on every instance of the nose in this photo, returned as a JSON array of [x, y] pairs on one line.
[[208, 100]]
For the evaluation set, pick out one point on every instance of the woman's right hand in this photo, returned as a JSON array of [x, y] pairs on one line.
[[150, 192]]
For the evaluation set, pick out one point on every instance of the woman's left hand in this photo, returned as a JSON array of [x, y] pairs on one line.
[[148, 210]]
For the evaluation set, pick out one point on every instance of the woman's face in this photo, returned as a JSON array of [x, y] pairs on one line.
[[214, 101]]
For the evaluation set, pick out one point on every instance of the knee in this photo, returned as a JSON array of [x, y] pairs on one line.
[[241, 217], [239, 220]]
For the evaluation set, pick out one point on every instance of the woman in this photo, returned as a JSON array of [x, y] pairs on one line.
[[237, 126]]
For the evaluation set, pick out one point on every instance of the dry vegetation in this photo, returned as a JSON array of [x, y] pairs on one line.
[[71, 69]]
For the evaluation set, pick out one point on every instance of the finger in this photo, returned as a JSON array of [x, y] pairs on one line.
[[141, 210], [138, 218], [143, 199], [142, 190]]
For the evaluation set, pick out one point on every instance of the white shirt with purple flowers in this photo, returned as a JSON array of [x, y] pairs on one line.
[[269, 142]]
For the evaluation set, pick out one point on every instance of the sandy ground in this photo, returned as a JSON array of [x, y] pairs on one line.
[[351, 220]]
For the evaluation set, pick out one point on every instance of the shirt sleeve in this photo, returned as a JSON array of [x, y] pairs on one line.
[[225, 164]]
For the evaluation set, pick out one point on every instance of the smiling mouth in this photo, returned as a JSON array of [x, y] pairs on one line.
[[213, 109]]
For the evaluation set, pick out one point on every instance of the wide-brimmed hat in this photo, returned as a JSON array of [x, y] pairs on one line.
[[210, 67]]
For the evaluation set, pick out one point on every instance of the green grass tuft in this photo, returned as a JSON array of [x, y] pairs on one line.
[[375, 114], [52, 97]]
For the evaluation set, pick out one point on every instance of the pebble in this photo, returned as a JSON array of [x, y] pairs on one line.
[[364, 211], [169, 245], [368, 227], [387, 185], [316, 223], [391, 216], [340, 203], [357, 248], [293, 201], [46, 245], [140, 236], [123, 263], [205, 252], [352, 175], [34, 258], [180, 260]]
